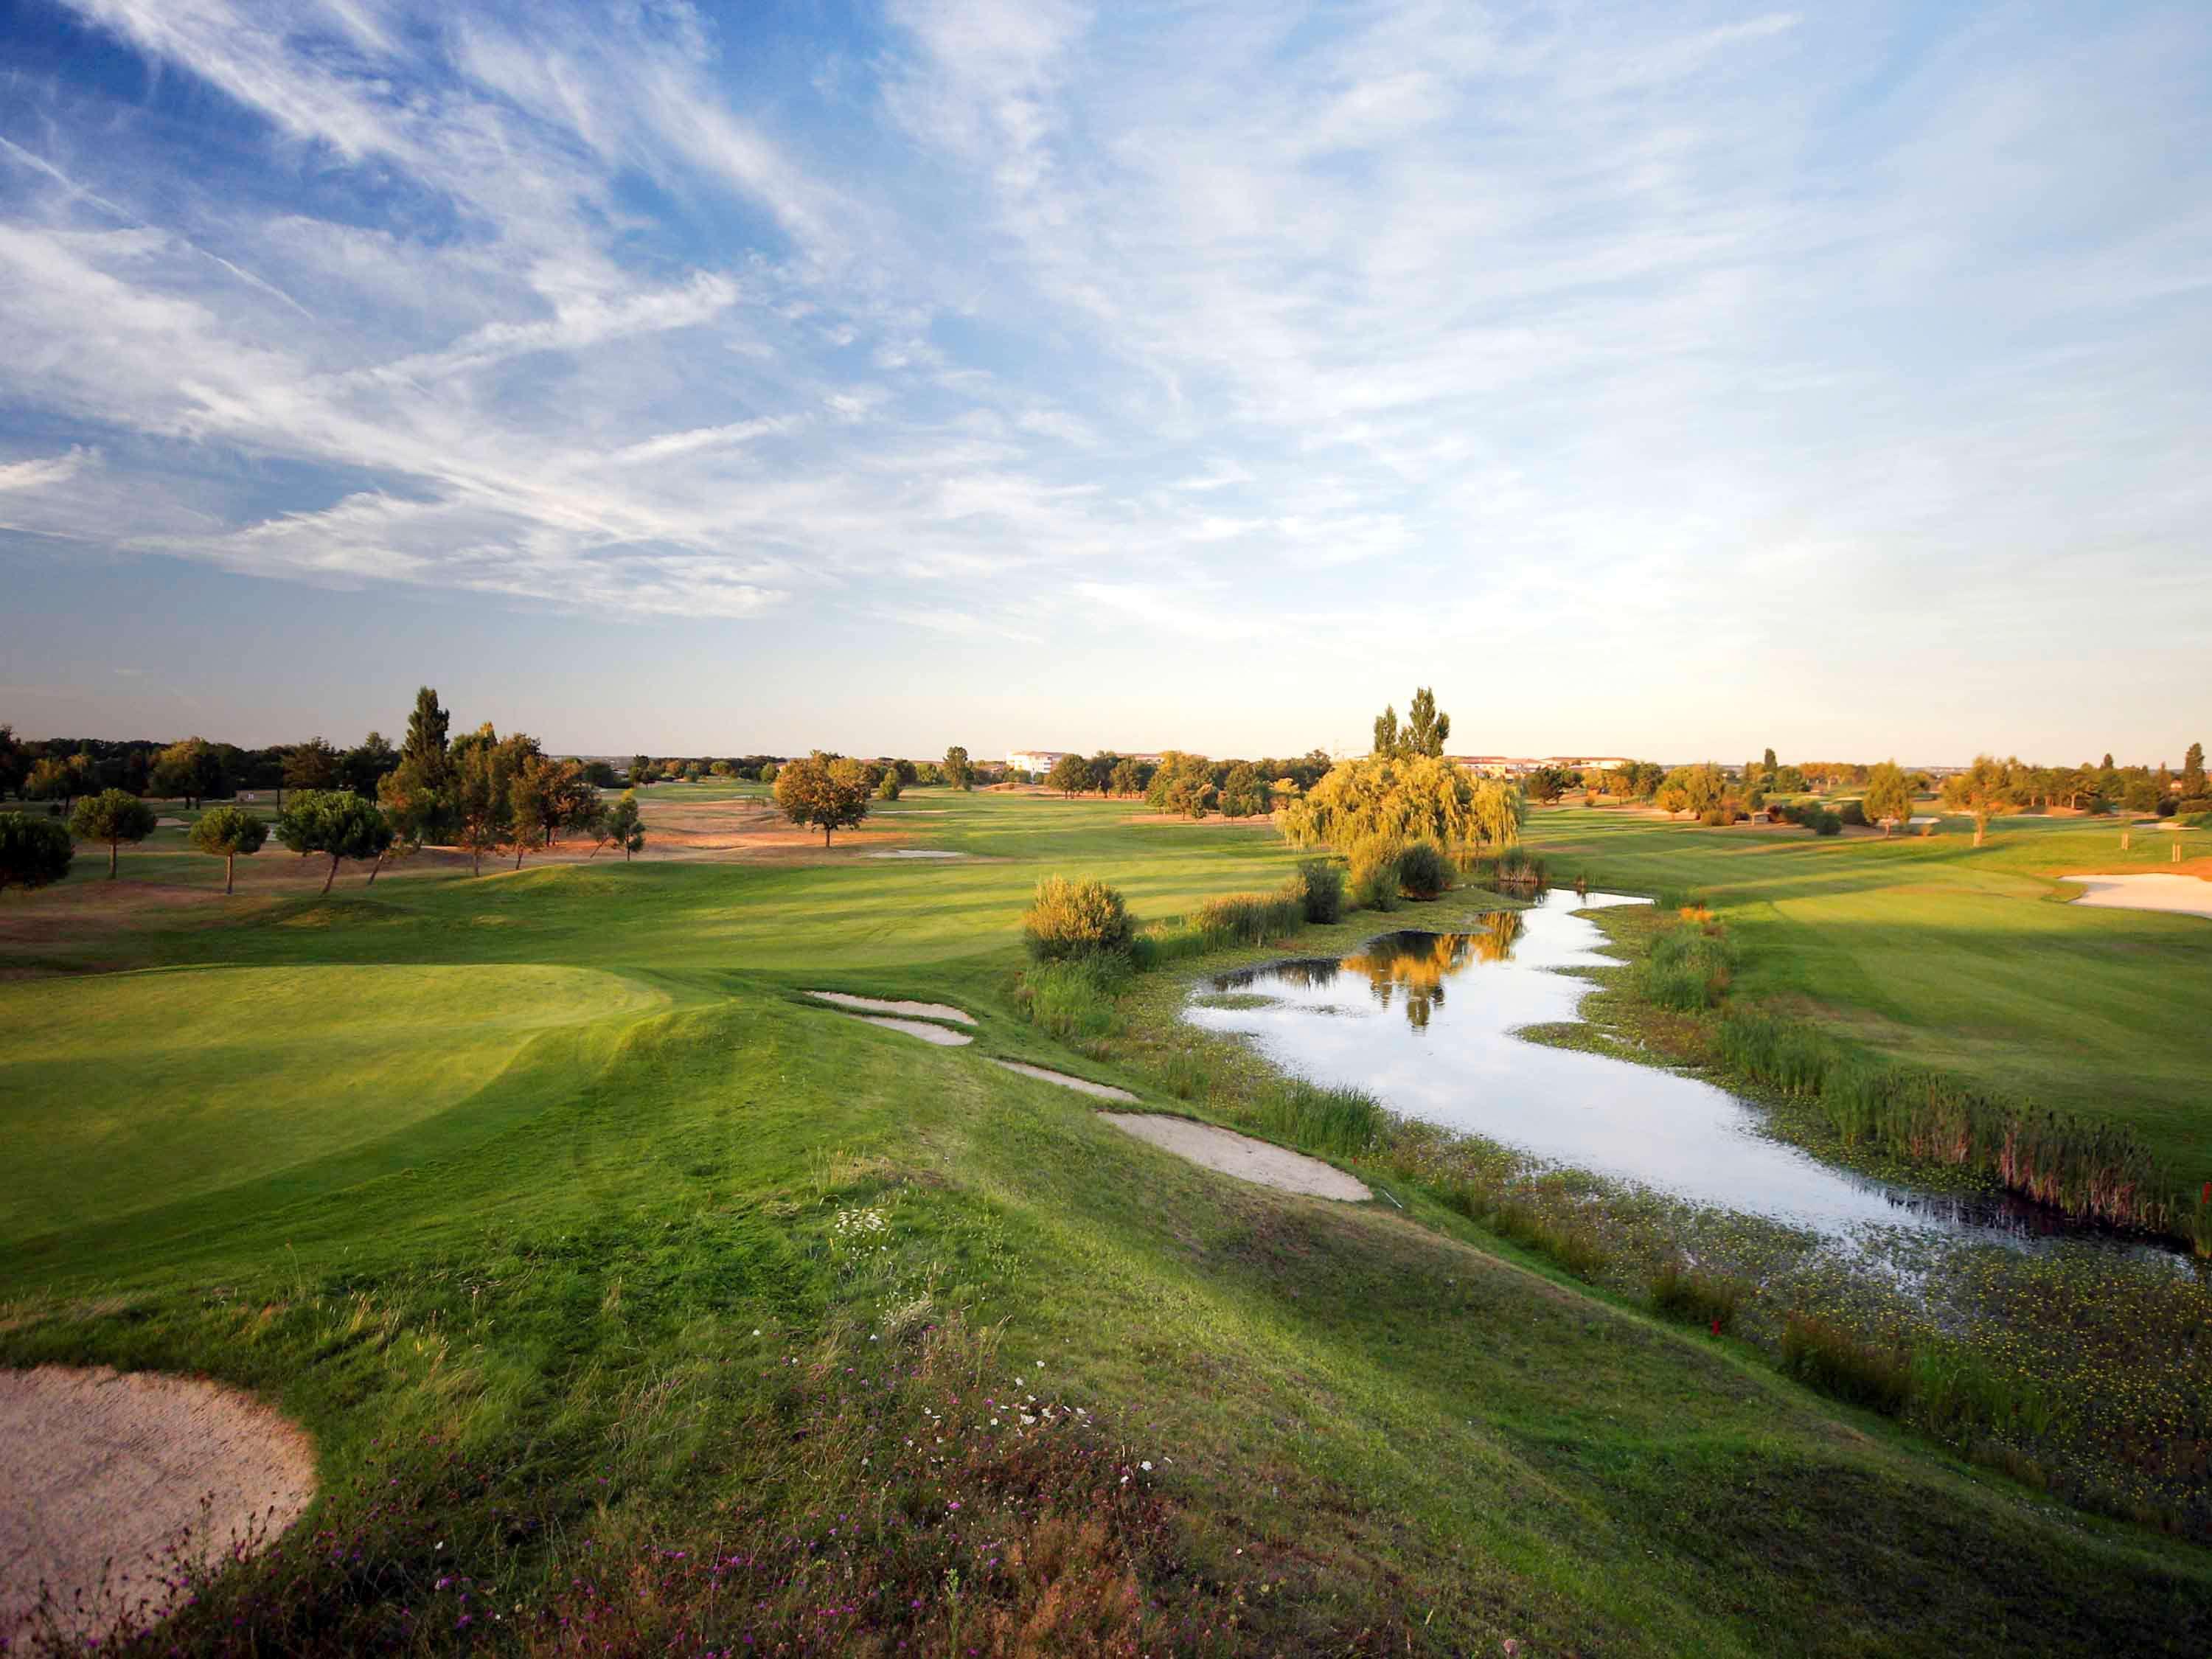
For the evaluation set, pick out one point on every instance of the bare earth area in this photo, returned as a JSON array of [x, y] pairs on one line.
[[882, 1006], [109, 1482], [1081, 1084], [2189, 895], [1237, 1155]]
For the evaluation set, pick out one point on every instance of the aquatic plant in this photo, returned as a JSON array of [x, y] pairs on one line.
[[1830, 1358]]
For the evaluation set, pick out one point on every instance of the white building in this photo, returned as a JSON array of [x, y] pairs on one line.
[[1036, 761]]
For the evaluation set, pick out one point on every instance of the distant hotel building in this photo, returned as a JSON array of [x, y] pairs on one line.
[[1040, 761], [1520, 766]]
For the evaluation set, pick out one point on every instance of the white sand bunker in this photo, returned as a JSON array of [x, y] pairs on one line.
[[110, 1482], [1080, 1085], [2188, 895], [1241, 1157], [915, 853], [884, 1005], [918, 1028]]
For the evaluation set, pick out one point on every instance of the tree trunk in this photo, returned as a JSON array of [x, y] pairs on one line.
[[475, 856], [230, 871], [373, 869], [825, 835], [114, 847], [625, 855], [1981, 829], [333, 875], [518, 855]]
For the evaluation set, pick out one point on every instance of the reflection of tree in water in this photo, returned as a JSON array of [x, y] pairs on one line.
[[1417, 964]]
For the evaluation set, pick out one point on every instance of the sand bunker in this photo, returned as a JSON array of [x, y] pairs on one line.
[[882, 1005], [918, 1028], [915, 853], [1080, 1085], [102, 1479], [2188, 895], [1240, 1155]]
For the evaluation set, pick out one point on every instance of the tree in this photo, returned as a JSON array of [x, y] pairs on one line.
[[599, 774], [364, 766], [1672, 797], [33, 852], [311, 765], [14, 761], [822, 794], [428, 728], [640, 767], [1129, 777], [189, 769], [889, 789], [58, 778], [226, 831], [1983, 790], [1426, 726], [1889, 795], [1698, 789], [1243, 792], [623, 826], [113, 815], [1386, 731], [338, 823], [1070, 774], [1787, 781], [1548, 783], [1181, 784], [2192, 773], [484, 771], [1370, 808]]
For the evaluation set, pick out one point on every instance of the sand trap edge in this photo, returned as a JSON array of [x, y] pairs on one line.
[[942, 1037], [846, 1001], [1260, 1161], [1080, 1085], [111, 1468]]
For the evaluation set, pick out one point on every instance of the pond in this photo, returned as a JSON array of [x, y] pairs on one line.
[[1425, 1023]]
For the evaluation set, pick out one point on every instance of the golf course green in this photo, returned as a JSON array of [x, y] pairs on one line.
[[636, 1302]]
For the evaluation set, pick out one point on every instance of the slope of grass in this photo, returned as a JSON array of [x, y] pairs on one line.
[[731, 1310]]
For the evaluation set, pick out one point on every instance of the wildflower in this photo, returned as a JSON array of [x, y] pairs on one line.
[[1146, 1466]]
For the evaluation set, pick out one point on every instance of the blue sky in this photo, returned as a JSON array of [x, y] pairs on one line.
[[1674, 379]]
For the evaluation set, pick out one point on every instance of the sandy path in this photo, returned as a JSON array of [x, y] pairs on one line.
[[917, 1028], [1240, 1155], [881, 1005], [2188, 895], [1081, 1084], [99, 1467]]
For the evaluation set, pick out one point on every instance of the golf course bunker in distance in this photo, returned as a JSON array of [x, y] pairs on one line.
[[1255, 1161], [1080, 1085], [2187, 896], [884, 1005], [112, 1482], [918, 1028]]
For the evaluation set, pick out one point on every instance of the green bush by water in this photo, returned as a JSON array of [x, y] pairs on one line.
[[1318, 885], [1686, 968], [1070, 919], [1424, 871], [1248, 918]]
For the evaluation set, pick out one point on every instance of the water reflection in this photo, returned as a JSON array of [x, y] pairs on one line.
[[1426, 1022]]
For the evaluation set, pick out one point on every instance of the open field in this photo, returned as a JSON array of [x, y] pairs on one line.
[[1928, 950], [631, 1250]]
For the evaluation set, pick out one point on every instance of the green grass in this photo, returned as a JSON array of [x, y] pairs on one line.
[[1929, 951], [663, 1277]]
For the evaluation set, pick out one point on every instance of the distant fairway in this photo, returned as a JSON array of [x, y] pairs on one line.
[[124, 1092]]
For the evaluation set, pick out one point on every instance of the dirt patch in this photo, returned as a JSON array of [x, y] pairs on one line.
[[1241, 1157], [918, 1028], [112, 1481], [1082, 1086], [886, 1006]]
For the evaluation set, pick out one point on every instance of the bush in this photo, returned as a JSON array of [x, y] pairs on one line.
[[1826, 824], [1069, 919], [2194, 806], [1074, 998], [1685, 969], [1424, 871], [1837, 1363], [1712, 817], [1319, 888], [1853, 812], [1246, 918], [1697, 1297], [2167, 806], [1374, 882]]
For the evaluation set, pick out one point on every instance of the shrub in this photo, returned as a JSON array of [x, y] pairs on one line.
[[1824, 823], [1246, 918], [1318, 886], [2194, 806], [1853, 812], [1696, 1296], [1713, 817], [1375, 882], [1831, 1359], [1424, 871], [1344, 1122], [1076, 919], [1074, 998]]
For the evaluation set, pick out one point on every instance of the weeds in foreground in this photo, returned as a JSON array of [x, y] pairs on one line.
[[1834, 1361], [1696, 1297]]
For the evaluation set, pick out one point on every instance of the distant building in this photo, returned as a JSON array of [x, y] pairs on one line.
[[1036, 761]]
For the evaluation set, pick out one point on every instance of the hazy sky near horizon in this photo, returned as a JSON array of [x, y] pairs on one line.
[[1675, 380]]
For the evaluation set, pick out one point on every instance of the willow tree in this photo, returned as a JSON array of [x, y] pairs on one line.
[[1370, 809]]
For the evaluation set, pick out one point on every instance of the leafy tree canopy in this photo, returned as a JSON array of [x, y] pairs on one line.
[[1386, 803], [113, 815], [822, 793], [33, 852]]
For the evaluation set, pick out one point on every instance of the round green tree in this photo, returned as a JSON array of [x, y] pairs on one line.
[[113, 815], [224, 832], [33, 852]]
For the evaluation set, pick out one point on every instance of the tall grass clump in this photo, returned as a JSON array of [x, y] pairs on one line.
[[1163, 942], [1696, 1297], [1783, 1054], [1685, 969], [1346, 1122], [1424, 871], [1830, 1358], [1068, 919], [1374, 881], [1248, 918], [1517, 867], [1318, 886], [1075, 997]]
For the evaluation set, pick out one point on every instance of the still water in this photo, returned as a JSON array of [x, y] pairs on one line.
[[1425, 1022]]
